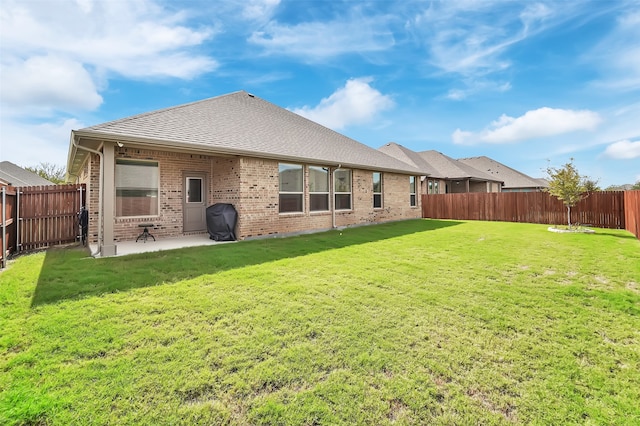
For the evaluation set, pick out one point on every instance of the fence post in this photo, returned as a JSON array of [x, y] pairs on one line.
[[18, 245]]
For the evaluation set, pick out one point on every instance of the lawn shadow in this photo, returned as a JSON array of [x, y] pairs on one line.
[[72, 274], [615, 233]]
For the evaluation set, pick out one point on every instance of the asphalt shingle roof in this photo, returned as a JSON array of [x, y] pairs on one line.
[[511, 177], [17, 176], [243, 124], [448, 168], [408, 156]]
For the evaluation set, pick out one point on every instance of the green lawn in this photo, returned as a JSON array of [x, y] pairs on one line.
[[418, 322]]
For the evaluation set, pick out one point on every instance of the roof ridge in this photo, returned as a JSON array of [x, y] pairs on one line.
[[161, 110], [505, 166], [245, 124]]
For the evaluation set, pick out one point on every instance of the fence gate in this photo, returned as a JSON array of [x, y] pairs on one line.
[[40, 216], [7, 223]]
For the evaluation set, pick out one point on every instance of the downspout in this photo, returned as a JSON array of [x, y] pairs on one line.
[[333, 195], [100, 186], [4, 227]]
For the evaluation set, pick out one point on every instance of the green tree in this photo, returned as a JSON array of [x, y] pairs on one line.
[[591, 185], [49, 171], [566, 184], [636, 185]]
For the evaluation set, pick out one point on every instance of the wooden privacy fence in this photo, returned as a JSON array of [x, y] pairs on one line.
[[7, 224], [606, 209], [40, 216], [632, 212]]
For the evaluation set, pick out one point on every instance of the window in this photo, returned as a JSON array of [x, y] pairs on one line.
[[318, 189], [377, 190], [412, 191], [342, 189], [433, 187], [291, 184], [137, 185], [194, 190]]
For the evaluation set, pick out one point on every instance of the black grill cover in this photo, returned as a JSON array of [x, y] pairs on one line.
[[221, 222]]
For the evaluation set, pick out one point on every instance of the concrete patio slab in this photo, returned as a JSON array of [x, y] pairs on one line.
[[131, 247]]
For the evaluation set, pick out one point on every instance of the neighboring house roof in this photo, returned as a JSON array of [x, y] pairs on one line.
[[511, 177], [238, 124], [544, 183], [17, 176], [448, 168], [408, 156]]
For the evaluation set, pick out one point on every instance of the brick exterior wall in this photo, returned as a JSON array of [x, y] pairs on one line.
[[171, 166], [258, 208], [252, 186], [90, 176]]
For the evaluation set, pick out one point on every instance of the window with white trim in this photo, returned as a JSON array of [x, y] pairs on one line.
[[291, 178], [137, 184], [377, 190], [342, 189], [318, 189], [412, 191]]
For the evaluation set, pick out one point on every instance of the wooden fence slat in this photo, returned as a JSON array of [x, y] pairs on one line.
[[602, 209], [8, 226], [632, 212], [49, 215]]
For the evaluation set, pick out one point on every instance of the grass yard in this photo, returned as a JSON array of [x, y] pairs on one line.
[[417, 322]]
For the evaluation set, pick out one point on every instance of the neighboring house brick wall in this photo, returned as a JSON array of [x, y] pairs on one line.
[[424, 185], [479, 187]]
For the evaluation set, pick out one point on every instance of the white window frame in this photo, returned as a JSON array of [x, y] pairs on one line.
[[146, 163], [312, 190], [300, 193], [413, 199], [379, 193], [336, 192]]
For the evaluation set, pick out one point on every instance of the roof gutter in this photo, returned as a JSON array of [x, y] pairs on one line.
[[100, 185], [173, 145]]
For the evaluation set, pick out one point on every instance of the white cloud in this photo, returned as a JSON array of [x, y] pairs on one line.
[[475, 86], [355, 103], [61, 54], [43, 83], [623, 150], [46, 142], [260, 10], [316, 41], [470, 38], [618, 55], [539, 123]]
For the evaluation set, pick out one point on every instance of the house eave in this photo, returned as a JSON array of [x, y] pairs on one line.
[[83, 137]]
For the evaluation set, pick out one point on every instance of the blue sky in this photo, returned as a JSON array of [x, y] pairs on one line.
[[527, 83]]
